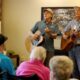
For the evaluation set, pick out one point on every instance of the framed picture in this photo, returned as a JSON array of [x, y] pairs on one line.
[[61, 15]]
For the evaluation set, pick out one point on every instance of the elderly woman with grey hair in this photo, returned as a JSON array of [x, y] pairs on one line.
[[61, 68], [35, 65]]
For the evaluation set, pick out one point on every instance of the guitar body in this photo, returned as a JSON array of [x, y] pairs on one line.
[[67, 44], [39, 41], [41, 38]]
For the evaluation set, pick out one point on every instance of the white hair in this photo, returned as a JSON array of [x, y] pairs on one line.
[[38, 53], [61, 66]]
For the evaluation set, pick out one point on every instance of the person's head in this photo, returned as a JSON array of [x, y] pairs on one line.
[[61, 67], [77, 13], [48, 14], [2, 41], [38, 53]]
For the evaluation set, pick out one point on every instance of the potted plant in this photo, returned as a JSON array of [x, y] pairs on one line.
[[10, 52]]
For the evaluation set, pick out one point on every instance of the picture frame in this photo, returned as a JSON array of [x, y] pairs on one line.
[[61, 17]]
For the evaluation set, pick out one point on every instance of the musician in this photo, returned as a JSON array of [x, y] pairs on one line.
[[48, 30], [74, 53]]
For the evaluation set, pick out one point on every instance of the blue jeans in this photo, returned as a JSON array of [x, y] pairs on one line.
[[74, 54]]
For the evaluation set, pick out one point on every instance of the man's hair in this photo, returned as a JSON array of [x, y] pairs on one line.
[[49, 11], [38, 53], [61, 66], [2, 39]]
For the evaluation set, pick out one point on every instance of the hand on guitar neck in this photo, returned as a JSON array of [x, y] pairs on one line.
[[68, 40], [72, 33]]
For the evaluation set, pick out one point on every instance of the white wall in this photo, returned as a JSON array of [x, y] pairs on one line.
[[18, 16], [0, 26]]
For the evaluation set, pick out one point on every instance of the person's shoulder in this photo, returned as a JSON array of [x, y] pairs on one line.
[[5, 57], [46, 68], [73, 79], [24, 63], [39, 22], [8, 59], [73, 20]]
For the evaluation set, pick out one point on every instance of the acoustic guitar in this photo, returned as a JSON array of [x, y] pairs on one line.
[[41, 38], [67, 44], [31, 43]]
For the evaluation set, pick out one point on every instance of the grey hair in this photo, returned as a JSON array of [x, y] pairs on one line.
[[61, 66], [38, 53]]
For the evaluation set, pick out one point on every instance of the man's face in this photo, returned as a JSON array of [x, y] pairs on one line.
[[47, 15], [77, 14]]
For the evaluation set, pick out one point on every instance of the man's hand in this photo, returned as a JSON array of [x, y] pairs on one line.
[[47, 30], [36, 35], [50, 33], [75, 32], [65, 36]]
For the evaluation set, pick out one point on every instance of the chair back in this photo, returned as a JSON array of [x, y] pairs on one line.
[[2, 73], [14, 77], [30, 77]]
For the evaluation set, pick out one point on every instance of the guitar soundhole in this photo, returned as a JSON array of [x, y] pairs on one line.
[[71, 45], [73, 36]]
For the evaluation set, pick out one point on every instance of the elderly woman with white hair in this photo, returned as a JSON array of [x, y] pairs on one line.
[[35, 64], [61, 68]]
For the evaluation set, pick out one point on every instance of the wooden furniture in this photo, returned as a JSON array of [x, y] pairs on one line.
[[16, 59], [61, 52]]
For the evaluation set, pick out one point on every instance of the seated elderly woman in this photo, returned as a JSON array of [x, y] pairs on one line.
[[35, 65], [6, 65], [61, 68]]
